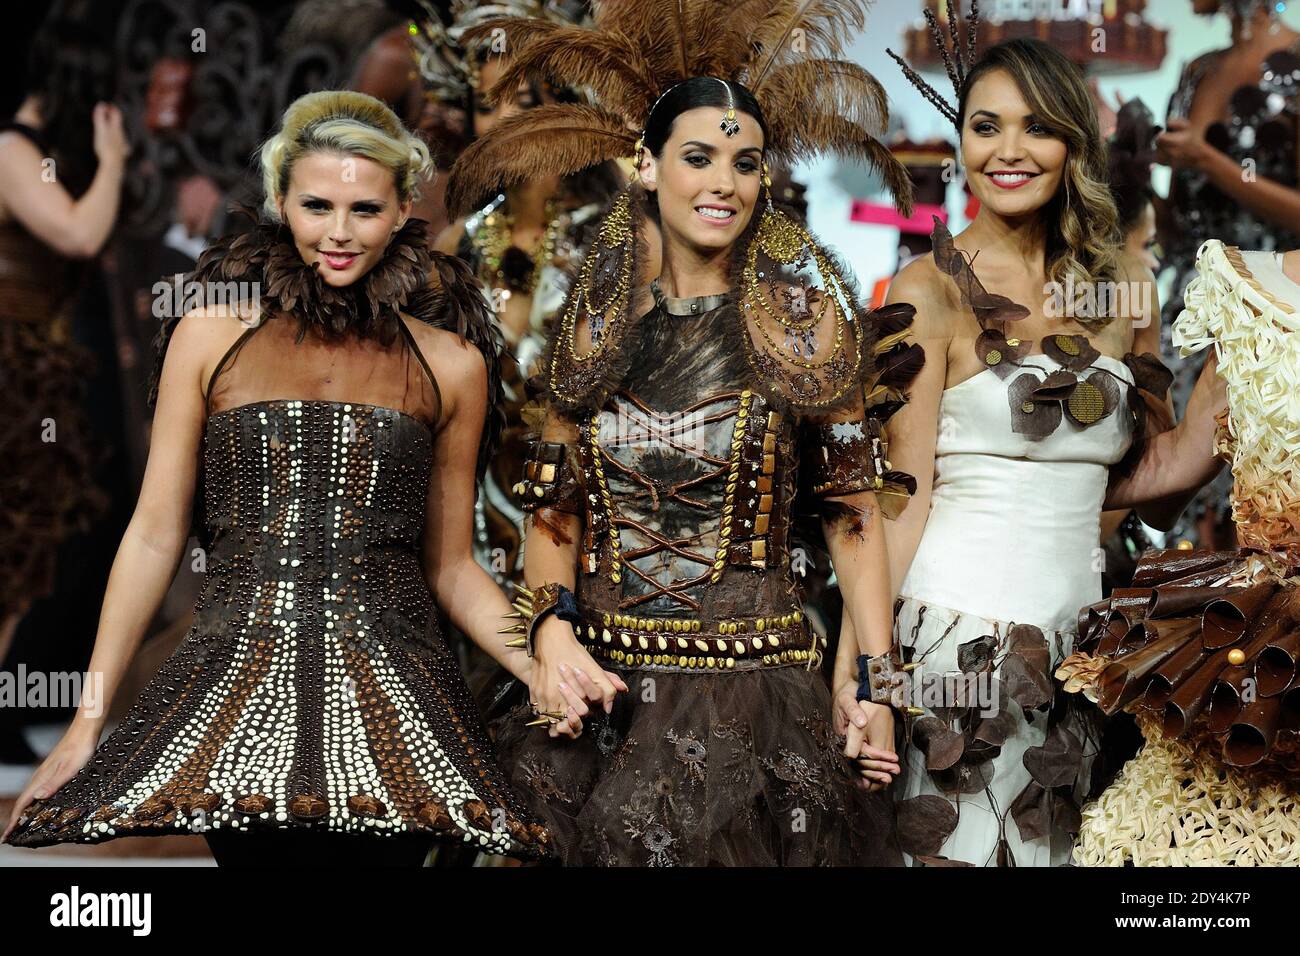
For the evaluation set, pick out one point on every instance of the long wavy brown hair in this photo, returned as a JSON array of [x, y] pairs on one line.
[[1083, 235]]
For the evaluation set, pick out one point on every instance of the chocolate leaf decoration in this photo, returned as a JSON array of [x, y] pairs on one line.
[[994, 352], [1067, 815], [1028, 641], [1032, 811], [924, 823], [1149, 373], [979, 751], [1093, 399], [1029, 418], [1057, 386], [976, 655], [987, 306], [1073, 352], [996, 729], [968, 776], [991, 307], [1027, 685], [941, 745], [1058, 761]]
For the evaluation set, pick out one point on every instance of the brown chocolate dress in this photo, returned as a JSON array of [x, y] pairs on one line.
[[314, 689], [722, 752], [45, 440]]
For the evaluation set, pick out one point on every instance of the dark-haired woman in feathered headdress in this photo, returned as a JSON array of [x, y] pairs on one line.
[[329, 410], [689, 426]]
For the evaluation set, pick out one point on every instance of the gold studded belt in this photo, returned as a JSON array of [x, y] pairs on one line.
[[688, 644]]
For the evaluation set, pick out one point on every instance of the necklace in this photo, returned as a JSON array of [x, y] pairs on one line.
[[504, 267]]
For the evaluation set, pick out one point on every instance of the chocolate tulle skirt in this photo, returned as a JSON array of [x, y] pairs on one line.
[[737, 769]]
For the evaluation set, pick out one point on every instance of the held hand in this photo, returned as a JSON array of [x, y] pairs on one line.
[[869, 732], [65, 760], [1182, 147], [111, 144], [566, 679]]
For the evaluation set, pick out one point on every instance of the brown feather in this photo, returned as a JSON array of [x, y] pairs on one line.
[[646, 24], [610, 65], [555, 139], [822, 132], [836, 87], [826, 26], [518, 31]]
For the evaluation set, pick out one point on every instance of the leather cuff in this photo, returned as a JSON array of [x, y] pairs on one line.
[[550, 480], [882, 680], [850, 457]]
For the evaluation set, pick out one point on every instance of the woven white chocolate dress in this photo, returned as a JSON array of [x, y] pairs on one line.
[[1203, 647]]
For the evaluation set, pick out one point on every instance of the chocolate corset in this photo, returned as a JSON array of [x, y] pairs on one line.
[[690, 475]]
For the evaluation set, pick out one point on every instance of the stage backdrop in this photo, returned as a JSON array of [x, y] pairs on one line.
[[871, 250]]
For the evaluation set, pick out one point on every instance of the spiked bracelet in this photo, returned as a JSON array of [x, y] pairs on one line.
[[532, 606], [884, 680]]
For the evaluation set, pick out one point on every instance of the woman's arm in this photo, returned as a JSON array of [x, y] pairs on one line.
[[1178, 462], [1144, 318], [151, 547], [460, 586], [566, 676], [77, 228], [1181, 146], [913, 434]]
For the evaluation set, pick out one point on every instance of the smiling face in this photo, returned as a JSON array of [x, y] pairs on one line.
[[342, 211], [707, 183], [1013, 164]]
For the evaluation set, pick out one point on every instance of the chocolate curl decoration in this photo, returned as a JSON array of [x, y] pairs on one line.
[[1123, 681], [1225, 619], [1275, 669], [1251, 736], [1173, 565]]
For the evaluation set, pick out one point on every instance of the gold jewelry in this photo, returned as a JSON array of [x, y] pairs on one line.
[[784, 241], [495, 236], [531, 607], [729, 125], [612, 249]]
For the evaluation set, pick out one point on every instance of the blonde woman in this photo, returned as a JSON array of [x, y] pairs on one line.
[[1015, 428], [331, 423]]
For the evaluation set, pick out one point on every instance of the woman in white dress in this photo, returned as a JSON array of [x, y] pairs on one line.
[[1014, 429]]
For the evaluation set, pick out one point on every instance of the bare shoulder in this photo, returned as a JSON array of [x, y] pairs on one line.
[[921, 284], [14, 145], [1129, 268], [455, 362], [448, 240], [213, 326]]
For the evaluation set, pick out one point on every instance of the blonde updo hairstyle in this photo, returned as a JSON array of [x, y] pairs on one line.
[[347, 122]]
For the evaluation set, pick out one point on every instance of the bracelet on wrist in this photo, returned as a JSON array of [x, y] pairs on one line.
[[533, 606], [883, 679]]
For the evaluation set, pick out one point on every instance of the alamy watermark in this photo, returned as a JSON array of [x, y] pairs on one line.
[[178, 297], [1100, 300], [54, 689]]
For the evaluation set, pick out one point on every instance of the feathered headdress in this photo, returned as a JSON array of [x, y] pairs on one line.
[[444, 55], [957, 61], [784, 51]]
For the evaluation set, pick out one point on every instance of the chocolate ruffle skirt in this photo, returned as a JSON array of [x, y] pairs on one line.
[[733, 769]]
